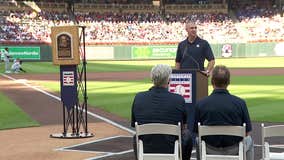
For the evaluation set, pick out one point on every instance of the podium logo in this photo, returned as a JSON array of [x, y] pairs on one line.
[[180, 90], [181, 84]]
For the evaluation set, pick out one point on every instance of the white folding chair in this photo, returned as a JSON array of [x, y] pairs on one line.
[[269, 132], [158, 128], [221, 130]]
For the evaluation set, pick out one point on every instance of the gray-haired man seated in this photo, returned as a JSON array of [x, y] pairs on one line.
[[158, 105]]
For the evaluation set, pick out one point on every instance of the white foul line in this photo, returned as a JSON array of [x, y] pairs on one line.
[[33, 87], [59, 99], [98, 140]]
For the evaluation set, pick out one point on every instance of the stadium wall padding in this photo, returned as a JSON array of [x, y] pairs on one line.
[[45, 53], [122, 52], [129, 52]]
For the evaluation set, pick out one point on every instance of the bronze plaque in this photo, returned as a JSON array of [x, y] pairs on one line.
[[64, 49]]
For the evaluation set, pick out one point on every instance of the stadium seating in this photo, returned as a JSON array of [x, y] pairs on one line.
[[143, 23]]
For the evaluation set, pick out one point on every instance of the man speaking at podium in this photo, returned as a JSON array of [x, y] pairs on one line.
[[191, 54], [193, 51]]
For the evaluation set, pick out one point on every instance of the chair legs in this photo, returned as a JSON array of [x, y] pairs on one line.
[[135, 147]]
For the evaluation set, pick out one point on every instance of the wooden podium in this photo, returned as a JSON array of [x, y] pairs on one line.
[[193, 86], [201, 82]]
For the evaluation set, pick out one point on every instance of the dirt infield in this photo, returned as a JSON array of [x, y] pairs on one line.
[[28, 143], [120, 76]]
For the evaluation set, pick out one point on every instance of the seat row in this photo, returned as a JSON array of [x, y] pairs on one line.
[[168, 129]]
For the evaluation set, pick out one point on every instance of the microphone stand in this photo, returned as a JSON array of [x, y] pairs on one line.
[[194, 60]]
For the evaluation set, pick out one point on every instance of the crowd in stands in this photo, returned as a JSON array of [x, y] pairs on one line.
[[104, 1], [142, 1], [111, 27], [193, 1]]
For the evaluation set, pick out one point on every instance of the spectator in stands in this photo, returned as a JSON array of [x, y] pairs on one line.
[[158, 105], [222, 108]]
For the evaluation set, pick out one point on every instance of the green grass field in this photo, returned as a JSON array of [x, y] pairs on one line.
[[116, 66], [264, 94], [11, 116]]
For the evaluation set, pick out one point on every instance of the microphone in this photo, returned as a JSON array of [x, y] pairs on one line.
[[195, 61], [185, 55]]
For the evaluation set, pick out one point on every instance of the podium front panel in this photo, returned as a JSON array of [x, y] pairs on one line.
[[198, 89], [181, 83]]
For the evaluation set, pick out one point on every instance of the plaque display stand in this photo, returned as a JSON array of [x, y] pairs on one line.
[[75, 120]]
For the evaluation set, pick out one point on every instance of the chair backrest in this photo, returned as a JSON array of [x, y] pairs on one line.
[[158, 128], [268, 132], [204, 130]]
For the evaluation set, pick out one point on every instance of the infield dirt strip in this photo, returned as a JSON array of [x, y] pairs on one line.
[[34, 142]]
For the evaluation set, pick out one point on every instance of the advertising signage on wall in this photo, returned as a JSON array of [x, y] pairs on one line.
[[28, 53], [153, 52]]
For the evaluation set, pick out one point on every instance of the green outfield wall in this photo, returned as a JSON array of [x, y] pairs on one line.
[[29, 52], [128, 52]]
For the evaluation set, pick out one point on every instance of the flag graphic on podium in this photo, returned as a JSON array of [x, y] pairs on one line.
[[181, 84]]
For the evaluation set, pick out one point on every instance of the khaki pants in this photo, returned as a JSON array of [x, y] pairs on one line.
[[231, 150]]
